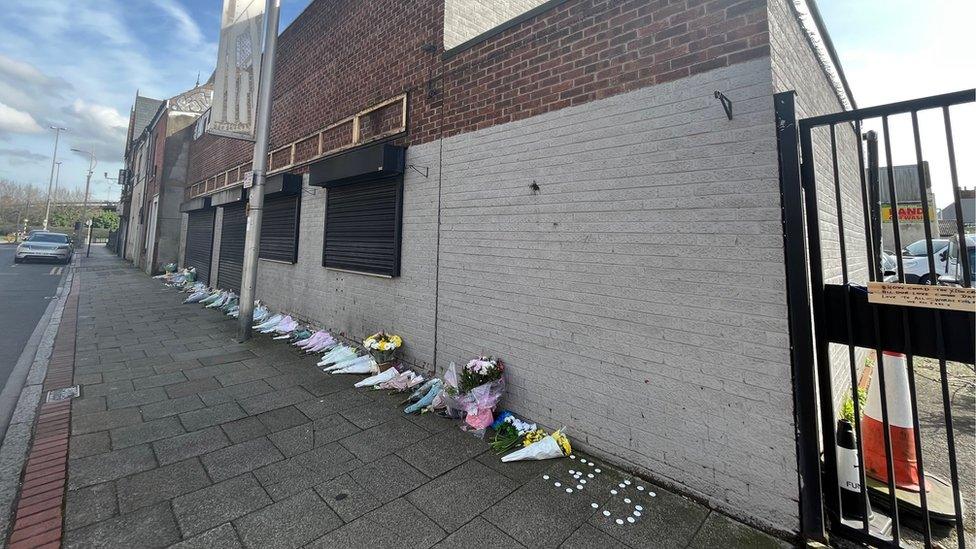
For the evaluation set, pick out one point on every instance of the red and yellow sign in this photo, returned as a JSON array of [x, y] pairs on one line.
[[911, 213]]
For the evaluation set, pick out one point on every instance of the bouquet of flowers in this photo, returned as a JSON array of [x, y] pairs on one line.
[[539, 445], [480, 371], [510, 432], [382, 346]]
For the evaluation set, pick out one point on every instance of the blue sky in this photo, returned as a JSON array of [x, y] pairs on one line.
[[79, 63]]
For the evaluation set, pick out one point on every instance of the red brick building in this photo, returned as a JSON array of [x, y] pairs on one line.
[[566, 193]]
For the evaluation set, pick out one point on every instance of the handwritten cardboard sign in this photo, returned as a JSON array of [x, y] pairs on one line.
[[921, 295]]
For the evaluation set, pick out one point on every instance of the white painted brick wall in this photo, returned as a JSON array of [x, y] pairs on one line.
[[638, 298], [796, 68], [465, 19], [357, 305]]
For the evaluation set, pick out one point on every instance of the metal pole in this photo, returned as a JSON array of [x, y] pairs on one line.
[[91, 169], [54, 160], [252, 238]]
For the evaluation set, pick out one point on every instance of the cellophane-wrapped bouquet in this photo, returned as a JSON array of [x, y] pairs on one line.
[[383, 346]]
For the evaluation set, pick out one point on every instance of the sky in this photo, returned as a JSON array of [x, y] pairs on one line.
[[78, 64]]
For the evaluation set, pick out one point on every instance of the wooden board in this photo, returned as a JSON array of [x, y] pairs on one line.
[[921, 295]]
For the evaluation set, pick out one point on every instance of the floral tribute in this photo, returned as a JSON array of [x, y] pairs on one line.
[[539, 445], [383, 346], [480, 371], [511, 431]]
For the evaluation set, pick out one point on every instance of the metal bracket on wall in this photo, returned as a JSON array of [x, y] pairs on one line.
[[726, 103], [424, 173]]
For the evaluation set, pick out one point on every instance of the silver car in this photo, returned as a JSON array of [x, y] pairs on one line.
[[44, 245]]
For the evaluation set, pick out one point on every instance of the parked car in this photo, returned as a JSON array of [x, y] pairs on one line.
[[916, 263], [951, 266], [44, 245], [889, 267]]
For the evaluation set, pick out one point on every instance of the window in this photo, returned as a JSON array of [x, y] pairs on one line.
[[279, 229], [53, 238], [362, 226]]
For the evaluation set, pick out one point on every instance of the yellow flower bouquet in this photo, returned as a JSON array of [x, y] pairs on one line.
[[539, 445], [383, 346]]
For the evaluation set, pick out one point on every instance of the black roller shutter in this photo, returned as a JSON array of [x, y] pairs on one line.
[[199, 242], [279, 229], [232, 247], [362, 226]]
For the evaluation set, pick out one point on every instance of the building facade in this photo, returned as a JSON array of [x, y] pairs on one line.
[[556, 185], [156, 159]]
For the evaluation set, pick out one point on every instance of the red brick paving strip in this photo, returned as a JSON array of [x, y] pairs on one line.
[[40, 507]]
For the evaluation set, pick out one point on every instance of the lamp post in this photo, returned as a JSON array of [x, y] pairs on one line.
[[262, 123], [91, 169], [54, 161]]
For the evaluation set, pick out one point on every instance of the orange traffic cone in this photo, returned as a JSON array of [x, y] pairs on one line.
[[904, 460]]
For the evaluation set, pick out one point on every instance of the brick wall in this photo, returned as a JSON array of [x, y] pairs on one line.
[[639, 296], [796, 67], [357, 305]]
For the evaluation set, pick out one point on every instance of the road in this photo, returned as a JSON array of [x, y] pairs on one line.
[[25, 291]]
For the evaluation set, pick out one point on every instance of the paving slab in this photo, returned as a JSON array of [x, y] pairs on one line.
[[208, 417], [135, 398], [89, 445], [397, 524], [245, 429], [481, 533], [234, 392], [185, 446], [275, 399], [665, 519], [347, 497], [240, 458], [388, 478], [221, 537], [171, 407], [291, 522], [438, 454], [282, 418], [214, 505], [109, 466], [383, 439], [160, 484], [295, 474], [720, 530], [148, 527], [462, 494], [90, 505], [141, 433], [104, 421]]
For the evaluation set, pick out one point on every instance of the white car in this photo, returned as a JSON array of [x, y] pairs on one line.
[[916, 263], [951, 266], [44, 245]]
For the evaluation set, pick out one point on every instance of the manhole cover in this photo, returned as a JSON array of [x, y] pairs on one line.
[[66, 393]]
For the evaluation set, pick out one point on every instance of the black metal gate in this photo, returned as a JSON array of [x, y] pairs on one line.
[[231, 257], [199, 242], [878, 478]]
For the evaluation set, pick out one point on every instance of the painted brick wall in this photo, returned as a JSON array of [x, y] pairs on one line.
[[795, 67], [357, 305], [638, 297], [465, 19]]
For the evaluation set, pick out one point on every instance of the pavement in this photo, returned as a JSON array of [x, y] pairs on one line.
[[182, 437]]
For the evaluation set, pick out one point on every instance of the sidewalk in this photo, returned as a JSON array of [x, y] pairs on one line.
[[183, 436]]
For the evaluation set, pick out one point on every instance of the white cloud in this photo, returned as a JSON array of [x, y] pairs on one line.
[[188, 27], [15, 121]]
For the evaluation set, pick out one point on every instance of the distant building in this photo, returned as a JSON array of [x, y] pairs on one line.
[[947, 216], [156, 158], [911, 218]]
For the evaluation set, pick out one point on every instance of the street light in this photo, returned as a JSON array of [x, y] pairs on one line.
[[91, 169], [54, 160]]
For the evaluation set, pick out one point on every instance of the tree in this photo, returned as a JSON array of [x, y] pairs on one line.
[[105, 220]]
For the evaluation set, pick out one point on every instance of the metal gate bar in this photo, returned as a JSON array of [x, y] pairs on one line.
[[801, 209]]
